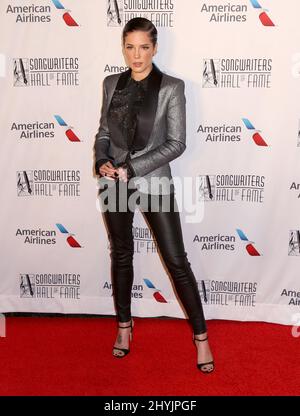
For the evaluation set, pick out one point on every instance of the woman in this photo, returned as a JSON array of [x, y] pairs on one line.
[[142, 128]]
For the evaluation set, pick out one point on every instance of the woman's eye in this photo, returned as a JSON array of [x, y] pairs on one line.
[[144, 47]]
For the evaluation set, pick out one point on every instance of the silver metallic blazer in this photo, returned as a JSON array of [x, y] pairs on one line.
[[161, 128]]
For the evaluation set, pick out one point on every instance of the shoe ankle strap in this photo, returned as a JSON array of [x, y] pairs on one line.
[[204, 339], [129, 326]]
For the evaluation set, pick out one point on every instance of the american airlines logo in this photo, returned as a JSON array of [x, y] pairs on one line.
[[65, 13], [249, 245], [262, 14], [256, 134], [156, 293]]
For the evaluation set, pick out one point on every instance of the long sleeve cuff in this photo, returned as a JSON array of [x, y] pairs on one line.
[[130, 171], [98, 165]]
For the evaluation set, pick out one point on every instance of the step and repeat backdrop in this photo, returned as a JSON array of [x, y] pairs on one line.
[[240, 61]]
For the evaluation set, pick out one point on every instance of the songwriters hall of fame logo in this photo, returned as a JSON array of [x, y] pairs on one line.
[[119, 12], [46, 72], [294, 243], [204, 290], [21, 72], [27, 286], [211, 73], [24, 183], [48, 183], [114, 12], [232, 188], [237, 73], [50, 286], [227, 293], [143, 240]]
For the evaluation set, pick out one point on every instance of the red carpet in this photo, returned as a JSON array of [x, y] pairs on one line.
[[72, 356]]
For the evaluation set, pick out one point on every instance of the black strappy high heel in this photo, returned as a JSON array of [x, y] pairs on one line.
[[124, 351], [200, 366]]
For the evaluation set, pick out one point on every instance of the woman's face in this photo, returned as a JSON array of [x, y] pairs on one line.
[[138, 51]]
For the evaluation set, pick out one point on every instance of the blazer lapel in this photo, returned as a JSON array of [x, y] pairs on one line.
[[147, 113]]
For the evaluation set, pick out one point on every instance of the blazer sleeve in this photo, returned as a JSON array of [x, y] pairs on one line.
[[101, 146], [175, 142]]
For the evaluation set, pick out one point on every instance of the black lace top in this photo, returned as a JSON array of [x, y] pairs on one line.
[[125, 105]]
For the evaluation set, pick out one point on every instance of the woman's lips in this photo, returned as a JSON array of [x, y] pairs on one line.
[[138, 64]]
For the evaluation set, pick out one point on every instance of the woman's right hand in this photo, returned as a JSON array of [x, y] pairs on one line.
[[108, 170]]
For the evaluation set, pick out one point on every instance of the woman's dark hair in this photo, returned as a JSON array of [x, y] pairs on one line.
[[143, 24]]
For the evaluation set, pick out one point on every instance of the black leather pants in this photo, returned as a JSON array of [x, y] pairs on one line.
[[166, 229]]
